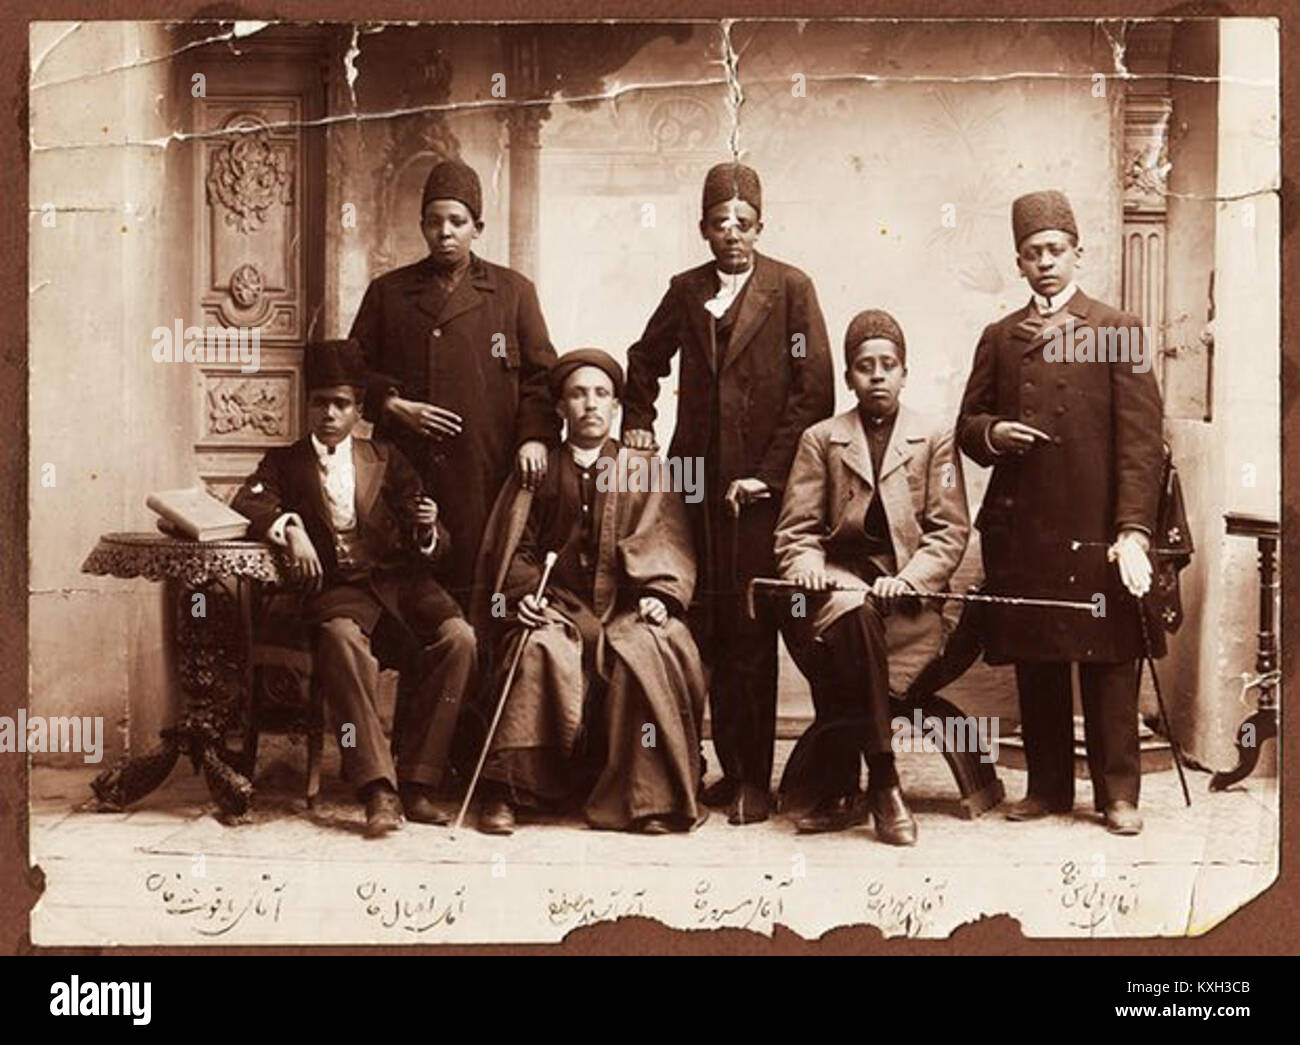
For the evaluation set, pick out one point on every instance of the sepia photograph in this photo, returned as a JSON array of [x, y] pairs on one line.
[[491, 479]]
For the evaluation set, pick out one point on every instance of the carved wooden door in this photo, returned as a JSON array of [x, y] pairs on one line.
[[257, 189]]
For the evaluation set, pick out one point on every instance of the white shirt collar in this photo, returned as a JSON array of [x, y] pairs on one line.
[[585, 458], [1058, 301], [730, 284], [342, 452]]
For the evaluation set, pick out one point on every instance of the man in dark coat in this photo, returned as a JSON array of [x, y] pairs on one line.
[[464, 352], [360, 535], [755, 372], [1072, 429], [606, 705]]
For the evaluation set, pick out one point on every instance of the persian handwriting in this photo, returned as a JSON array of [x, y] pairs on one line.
[[1092, 899], [576, 909], [906, 912], [215, 909], [416, 910], [756, 910]]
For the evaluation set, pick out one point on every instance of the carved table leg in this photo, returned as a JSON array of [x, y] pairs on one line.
[[1262, 724], [210, 664]]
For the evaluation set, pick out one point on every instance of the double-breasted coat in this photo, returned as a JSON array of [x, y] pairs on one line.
[[774, 380], [483, 351], [1048, 516], [920, 485]]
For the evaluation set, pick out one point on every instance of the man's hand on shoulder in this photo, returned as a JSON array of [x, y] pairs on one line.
[[652, 611], [531, 463], [639, 439]]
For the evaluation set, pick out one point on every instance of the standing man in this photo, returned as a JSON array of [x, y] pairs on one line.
[[463, 353], [755, 372], [1076, 451]]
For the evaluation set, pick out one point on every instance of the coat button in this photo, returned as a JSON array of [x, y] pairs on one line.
[[437, 331], [1060, 382], [1029, 411], [1029, 384], [1060, 409]]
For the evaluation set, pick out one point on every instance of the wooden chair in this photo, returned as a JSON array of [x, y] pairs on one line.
[[282, 696]]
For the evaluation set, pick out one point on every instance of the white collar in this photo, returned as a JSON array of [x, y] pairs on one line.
[[730, 284], [1050, 306], [585, 458], [323, 451]]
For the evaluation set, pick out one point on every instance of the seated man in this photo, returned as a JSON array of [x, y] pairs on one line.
[[359, 533], [606, 704], [875, 498]]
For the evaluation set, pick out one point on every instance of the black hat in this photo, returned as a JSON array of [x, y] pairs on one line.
[[874, 322], [730, 181], [580, 357], [333, 363], [1037, 211], [453, 180]]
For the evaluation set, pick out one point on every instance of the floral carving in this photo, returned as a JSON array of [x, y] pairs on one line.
[[247, 177], [246, 286], [238, 405]]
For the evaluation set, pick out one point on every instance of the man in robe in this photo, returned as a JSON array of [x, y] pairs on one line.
[[604, 712]]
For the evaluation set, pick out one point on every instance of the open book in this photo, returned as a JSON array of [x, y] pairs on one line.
[[196, 514]]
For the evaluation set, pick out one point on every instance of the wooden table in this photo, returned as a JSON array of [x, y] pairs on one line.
[[212, 638]]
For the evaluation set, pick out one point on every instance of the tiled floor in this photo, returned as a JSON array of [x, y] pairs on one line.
[[167, 871]]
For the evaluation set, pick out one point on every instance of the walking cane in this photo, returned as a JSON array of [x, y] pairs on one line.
[[501, 702], [1160, 700]]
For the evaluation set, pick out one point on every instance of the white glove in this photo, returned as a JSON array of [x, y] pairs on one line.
[[1130, 554]]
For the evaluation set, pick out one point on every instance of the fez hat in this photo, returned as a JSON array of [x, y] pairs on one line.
[[453, 180], [874, 322], [1037, 211], [580, 357], [728, 181], [333, 363]]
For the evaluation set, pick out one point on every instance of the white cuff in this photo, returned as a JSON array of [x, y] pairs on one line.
[[988, 441], [276, 534], [427, 548]]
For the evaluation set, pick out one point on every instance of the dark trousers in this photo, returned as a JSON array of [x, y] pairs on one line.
[[1110, 710], [848, 669], [349, 673], [742, 656]]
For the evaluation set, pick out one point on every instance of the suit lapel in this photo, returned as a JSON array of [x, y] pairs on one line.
[[308, 466], [755, 304], [850, 434], [698, 289], [368, 467], [902, 444], [466, 295]]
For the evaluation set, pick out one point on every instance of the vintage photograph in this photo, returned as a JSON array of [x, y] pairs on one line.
[[491, 479]]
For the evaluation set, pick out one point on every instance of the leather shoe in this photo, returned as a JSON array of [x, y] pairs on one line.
[[894, 822], [834, 814], [1122, 818], [653, 825], [752, 805], [1031, 807], [720, 793], [497, 817], [383, 812], [419, 806]]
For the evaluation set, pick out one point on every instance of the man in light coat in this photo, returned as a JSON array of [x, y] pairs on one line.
[[875, 498]]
